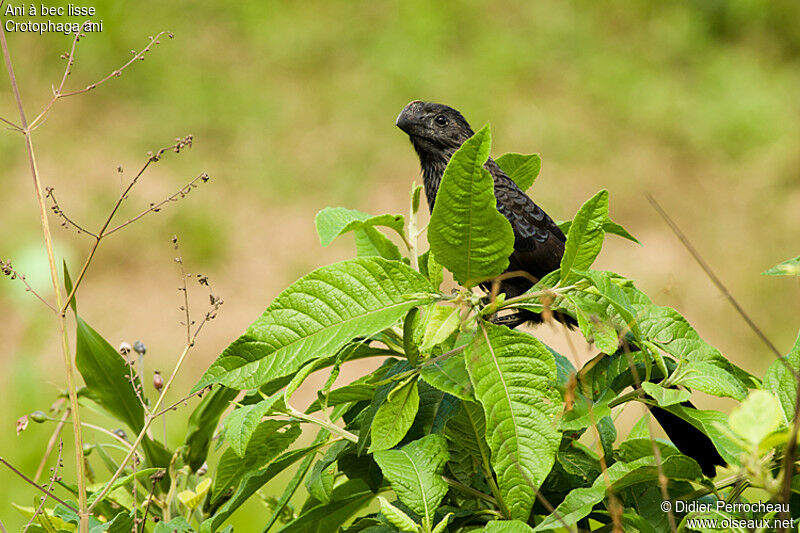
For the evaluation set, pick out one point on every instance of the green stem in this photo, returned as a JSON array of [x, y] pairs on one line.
[[330, 426]]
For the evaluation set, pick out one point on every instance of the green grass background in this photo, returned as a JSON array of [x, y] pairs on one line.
[[292, 106]]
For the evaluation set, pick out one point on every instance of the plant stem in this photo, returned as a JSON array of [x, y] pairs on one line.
[[61, 317], [330, 426]]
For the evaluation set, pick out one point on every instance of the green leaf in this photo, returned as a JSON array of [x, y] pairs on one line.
[[334, 221], [415, 472], [664, 396], [316, 316], [409, 342], [395, 416], [241, 423], [467, 233], [203, 423], [176, 525], [107, 377], [790, 267], [512, 374], [715, 425], [585, 237], [267, 442], [780, 380], [609, 226], [468, 429], [371, 242], [594, 323], [507, 526], [355, 392], [440, 322], [449, 375], [253, 481], [396, 517], [758, 416], [523, 169]]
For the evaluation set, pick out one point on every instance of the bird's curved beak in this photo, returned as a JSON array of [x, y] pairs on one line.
[[407, 120]]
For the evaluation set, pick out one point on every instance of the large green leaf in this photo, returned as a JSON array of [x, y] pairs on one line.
[[316, 316], [523, 169], [107, 377], [585, 237], [467, 233], [512, 373], [415, 472], [395, 416], [780, 380], [790, 267]]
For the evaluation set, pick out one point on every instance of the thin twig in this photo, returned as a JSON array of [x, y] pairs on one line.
[[155, 208], [53, 479], [711, 275], [8, 270], [31, 482], [58, 93], [182, 400], [60, 213], [51, 444], [11, 124], [155, 478]]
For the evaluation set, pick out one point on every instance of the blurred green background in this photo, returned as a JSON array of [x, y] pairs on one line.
[[292, 106]]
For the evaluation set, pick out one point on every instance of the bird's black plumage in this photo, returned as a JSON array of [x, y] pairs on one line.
[[437, 131]]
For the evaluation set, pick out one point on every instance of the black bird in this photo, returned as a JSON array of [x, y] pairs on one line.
[[437, 131]]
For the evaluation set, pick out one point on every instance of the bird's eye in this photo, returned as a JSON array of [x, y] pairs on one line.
[[440, 120]]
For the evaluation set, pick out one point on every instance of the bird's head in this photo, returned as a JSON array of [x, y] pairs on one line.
[[434, 129]]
